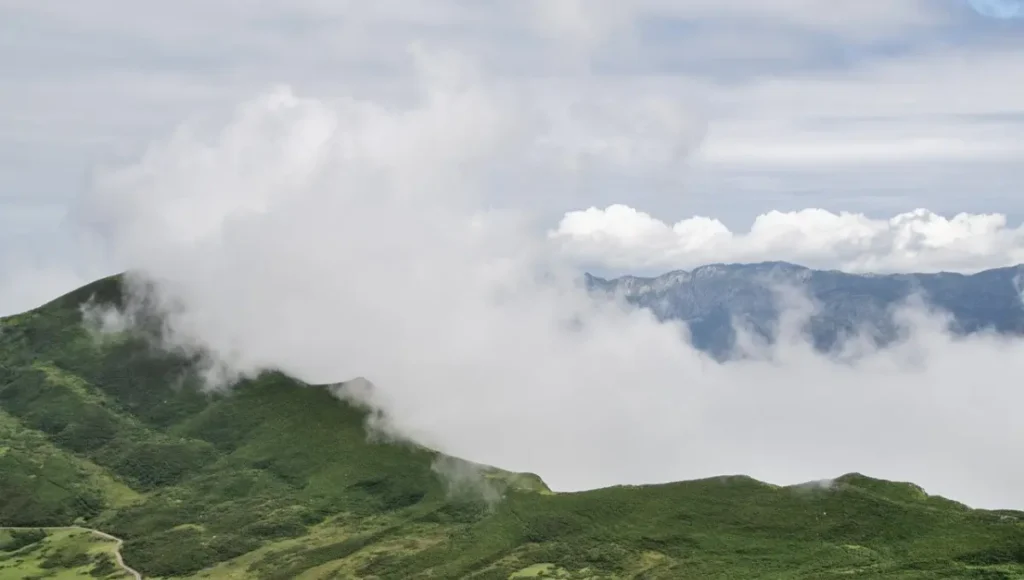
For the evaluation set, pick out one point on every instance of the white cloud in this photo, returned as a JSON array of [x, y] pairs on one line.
[[376, 255], [947, 105], [356, 234], [89, 84], [623, 238]]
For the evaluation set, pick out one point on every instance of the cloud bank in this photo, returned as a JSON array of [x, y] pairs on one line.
[[875, 107], [334, 239], [622, 238]]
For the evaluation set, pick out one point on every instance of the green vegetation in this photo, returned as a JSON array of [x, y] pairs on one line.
[[57, 555], [278, 480]]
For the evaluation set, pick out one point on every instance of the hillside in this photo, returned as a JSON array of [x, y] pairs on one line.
[[278, 480], [709, 298]]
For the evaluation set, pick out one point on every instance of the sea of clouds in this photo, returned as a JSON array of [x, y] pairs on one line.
[[342, 238]]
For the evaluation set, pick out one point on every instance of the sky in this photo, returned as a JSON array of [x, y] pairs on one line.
[[876, 108], [404, 191]]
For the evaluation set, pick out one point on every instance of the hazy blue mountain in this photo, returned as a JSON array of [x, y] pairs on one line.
[[709, 298]]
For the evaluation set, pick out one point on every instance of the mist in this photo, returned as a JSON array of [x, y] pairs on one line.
[[338, 238]]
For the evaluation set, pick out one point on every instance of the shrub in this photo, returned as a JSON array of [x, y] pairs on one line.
[[21, 538]]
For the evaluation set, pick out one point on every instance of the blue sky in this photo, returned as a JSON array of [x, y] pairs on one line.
[[876, 107]]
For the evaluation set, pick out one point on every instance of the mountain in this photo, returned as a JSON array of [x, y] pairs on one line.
[[275, 479], [709, 298]]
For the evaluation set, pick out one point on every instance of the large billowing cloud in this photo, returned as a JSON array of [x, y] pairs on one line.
[[622, 238], [875, 107], [335, 239]]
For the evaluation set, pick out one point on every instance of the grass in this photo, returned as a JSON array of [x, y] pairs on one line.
[[43, 484], [59, 555], [278, 480]]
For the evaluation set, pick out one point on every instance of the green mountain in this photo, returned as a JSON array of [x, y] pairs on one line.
[[275, 479]]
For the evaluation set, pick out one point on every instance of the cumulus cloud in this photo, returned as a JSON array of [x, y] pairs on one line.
[[795, 90], [341, 239], [623, 238]]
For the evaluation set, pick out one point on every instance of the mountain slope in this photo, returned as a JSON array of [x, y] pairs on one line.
[[278, 480], [709, 298]]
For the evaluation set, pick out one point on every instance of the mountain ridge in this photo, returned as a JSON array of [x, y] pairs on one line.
[[278, 480], [783, 266], [713, 299]]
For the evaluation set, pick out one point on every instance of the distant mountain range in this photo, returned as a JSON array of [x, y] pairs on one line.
[[711, 297]]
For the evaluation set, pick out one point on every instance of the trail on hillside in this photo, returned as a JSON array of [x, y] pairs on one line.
[[117, 549]]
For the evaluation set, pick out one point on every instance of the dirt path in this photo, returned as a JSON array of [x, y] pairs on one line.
[[117, 549]]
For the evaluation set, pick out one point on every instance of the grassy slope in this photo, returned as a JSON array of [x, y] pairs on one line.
[[57, 555], [278, 480]]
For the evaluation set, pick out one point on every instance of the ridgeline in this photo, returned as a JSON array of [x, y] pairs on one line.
[[277, 480]]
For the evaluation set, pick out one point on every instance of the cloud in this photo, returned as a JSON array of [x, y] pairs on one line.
[[467, 480], [888, 112], [335, 239], [999, 9], [622, 238], [390, 229], [782, 87]]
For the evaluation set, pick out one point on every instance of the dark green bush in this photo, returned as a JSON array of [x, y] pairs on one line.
[[157, 463], [21, 538]]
